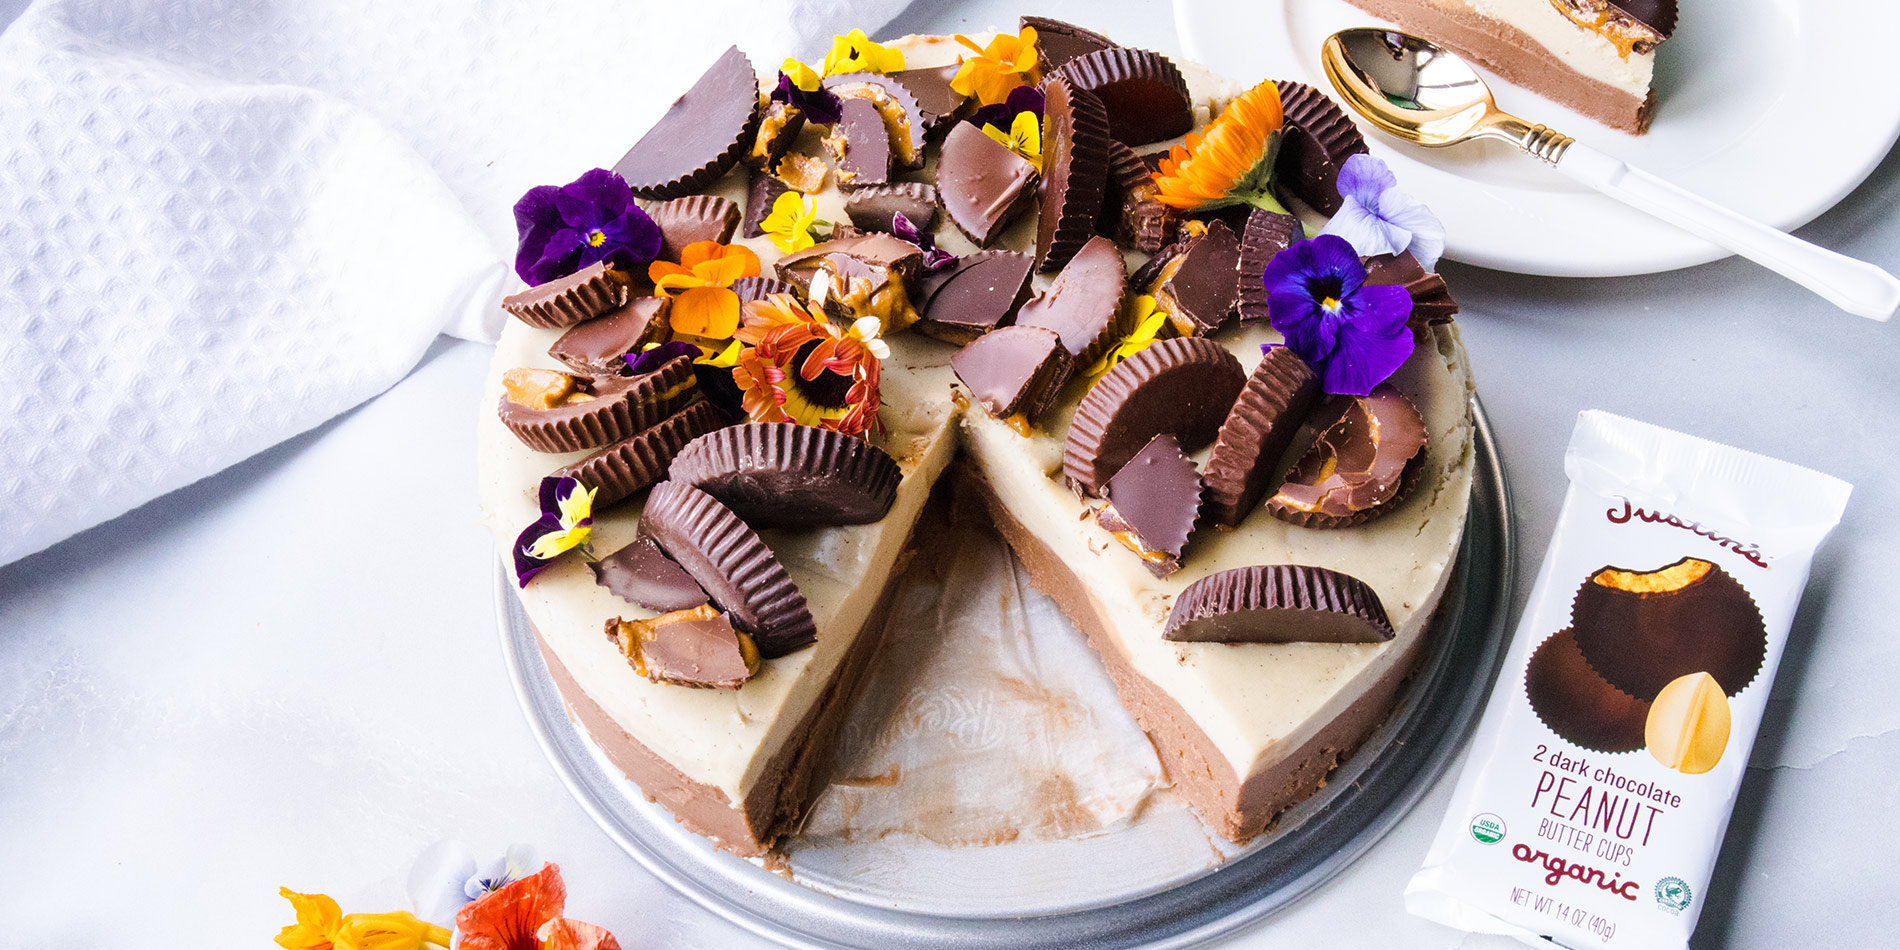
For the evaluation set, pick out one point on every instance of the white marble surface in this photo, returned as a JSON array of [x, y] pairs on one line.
[[289, 674]]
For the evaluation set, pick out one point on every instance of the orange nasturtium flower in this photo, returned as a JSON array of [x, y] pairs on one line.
[[1230, 161], [701, 287], [1007, 62], [321, 925]]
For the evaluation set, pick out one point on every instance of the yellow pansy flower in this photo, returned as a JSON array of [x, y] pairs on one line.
[[855, 53], [1148, 323], [1024, 137], [790, 223]]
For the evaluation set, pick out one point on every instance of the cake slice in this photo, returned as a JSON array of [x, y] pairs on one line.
[[1595, 56]]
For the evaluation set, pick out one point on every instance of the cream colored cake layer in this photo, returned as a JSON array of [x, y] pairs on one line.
[[1585, 51], [1256, 701]]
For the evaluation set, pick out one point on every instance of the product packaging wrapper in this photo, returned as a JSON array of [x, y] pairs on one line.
[[1601, 778]]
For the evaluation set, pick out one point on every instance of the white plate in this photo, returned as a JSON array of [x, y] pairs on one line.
[[1775, 108]]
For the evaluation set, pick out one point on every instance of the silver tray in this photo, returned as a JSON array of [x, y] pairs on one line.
[[1364, 798]]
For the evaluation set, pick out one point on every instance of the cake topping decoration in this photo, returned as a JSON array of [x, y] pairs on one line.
[[701, 287], [801, 368], [642, 574], [1318, 141], [1144, 93], [790, 224], [931, 87], [759, 288], [763, 190], [782, 475], [1004, 114], [565, 301], [854, 52], [566, 522], [1377, 218], [592, 219], [702, 136], [1432, 302], [1152, 504], [650, 358], [692, 219], [732, 564], [696, 648], [595, 412], [1201, 291], [1014, 371], [935, 258], [864, 275], [1256, 434], [982, 184], [1579, 705], [1061, 42], [1147, 321], [800, 87], [1643, 629], [1278, 603], [1228, 162], [996, 69], [1084, 304], [979, 292], [859, 145], [1075, 171], [873, 208], [598, 346], [1022, 135], [1353, 333], [1367, 457], [1264, 236], [903, 117], [1181, 386], [634, 464]]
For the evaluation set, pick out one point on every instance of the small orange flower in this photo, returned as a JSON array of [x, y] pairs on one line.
[[564, 934], [1230, 161], [511, 917], [1007, 62], [318, 921], [700, 285]]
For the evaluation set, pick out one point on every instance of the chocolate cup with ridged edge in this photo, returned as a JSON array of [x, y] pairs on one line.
[[786, 475], [1577, 703], [1316, 139], [1184, 386], [732, 564], [1074, 172], [1143, 92], [702, 136], [1256, 434], [1278, 603], [621, 408], [620, 470], [582, 295]]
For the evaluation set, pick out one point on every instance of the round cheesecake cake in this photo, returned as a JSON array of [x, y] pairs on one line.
[[1152, 324]]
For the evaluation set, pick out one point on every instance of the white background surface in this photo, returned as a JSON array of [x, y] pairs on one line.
[[289, 673]]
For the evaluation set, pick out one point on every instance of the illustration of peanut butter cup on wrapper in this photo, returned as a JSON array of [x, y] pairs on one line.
[[1578, 704], [1642, 630]]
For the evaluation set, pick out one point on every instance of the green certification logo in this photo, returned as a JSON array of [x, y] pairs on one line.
[[1673, 894], [1487, 829]]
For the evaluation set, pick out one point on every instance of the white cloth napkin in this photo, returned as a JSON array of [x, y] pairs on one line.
[[223, 222]]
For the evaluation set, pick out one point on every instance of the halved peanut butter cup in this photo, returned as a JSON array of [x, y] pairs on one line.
[[786, 475], [582, 295], [619, 409], [1144, 93], [1278, 603], [1265, 235], [1256, 434], [732, 564], [630, 465], [701, 137], [1316, 139], [1182, 386], [692, 219], [1368, 457], [1074, 171]]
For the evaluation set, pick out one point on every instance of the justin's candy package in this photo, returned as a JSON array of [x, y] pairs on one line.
[[1601, 779]]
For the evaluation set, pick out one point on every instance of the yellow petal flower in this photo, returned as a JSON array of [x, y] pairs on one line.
[[725, 359], [1024, 137], [397, 930], [801, 75], [1230, 161], [1148, 323], [318, 921], [855, 53], [555, 543], [790, 223], [1007, 62], [577, 507]]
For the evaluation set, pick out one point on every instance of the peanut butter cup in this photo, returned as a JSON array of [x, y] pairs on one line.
[[642, 574], [732, 564], [860, 148], [897, 107], [1278, 603], [596, 346], [1074, 171], [1057, 42], [588, 414], [982, 184], [1643, 629], [762, 191], [876, 207], [786, 475], [1084, 304], [1368, 457], [1432, 302], [1198, 294], [1266, 234], [630, 465], [1152, 504], [1143, 92], [1014, 370], [582, 295], [1316, 138], [701, 137], [978, 293], [759, 288], [1256, 434], [693, 218], [1579, 704], [697, 648], [1182, 386]]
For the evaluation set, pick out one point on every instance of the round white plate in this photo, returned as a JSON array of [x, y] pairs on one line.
[[1775, 108]]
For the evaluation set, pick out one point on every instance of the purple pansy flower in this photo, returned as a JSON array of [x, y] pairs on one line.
[[1378, 218], [566, 522], [819, 105], [1003, 114], [935, 258], [648, 360], [1352, 333], [593, 218]]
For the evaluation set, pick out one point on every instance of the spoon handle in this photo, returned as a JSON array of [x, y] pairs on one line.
[[1855, 286]]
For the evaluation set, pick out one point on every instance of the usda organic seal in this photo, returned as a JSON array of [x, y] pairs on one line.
[[1487, 828], [1673, 894]]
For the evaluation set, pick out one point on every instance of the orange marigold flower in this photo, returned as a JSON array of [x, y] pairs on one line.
[[1007, 62], [1230, 161], [700, 285]]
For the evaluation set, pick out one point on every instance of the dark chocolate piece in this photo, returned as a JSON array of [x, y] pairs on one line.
[[1057, 42], [1578, 704], [1084, 304], [904, 119], [1152, 504], [860, 148], [582, 295], [1014, 370], [1148, 277], [697, 648], [596, 346], [859, 276], [875, 207], [642, 574], [1369, 456], [762, 191], [632, 465], [693, 218], [786, 475], [1074, 171], [1643, 629], [1432, 302], [931, 87], [619, 408], [1256, 434], [978, 293], [1182, 386], [1148, 225], [1200, 294], [1278, 603], [701, 137], [982, 184], [779, 125], [1316, 138], [1267, 233], [732, 563], [1143, 92], [759, 288]]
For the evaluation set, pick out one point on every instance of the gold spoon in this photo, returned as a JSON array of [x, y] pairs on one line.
[[1417, 91]]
